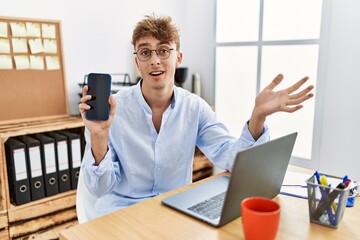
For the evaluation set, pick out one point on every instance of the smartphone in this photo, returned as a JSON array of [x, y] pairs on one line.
[[99, 88]]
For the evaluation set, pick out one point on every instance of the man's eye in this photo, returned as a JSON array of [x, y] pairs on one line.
[[163, 50], [145, 52]]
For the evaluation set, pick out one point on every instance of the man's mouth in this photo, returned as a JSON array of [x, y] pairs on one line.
[[156, 73]]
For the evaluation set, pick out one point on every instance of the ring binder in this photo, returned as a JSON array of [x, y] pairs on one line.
[[34, 167], [74, 153], [62, 160], [48, 158], [17, 171]]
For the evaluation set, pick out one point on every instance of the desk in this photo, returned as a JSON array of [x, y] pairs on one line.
[[152, 220]]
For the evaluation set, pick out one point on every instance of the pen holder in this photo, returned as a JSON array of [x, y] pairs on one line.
[[326, 204]]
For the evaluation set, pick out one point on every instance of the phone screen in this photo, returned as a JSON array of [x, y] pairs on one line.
[[99, 87]]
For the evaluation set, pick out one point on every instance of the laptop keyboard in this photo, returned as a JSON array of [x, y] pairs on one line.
[[211, 207]]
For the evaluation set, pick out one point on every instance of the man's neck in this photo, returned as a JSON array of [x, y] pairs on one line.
[[158, 98]]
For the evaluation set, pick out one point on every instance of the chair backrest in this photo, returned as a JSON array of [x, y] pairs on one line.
[[85, 201]]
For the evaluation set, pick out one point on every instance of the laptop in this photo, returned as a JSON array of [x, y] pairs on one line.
[[257, 171]]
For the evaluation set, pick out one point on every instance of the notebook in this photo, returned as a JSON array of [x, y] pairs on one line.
[[257, 171]]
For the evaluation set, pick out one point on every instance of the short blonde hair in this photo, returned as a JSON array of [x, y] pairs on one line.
[[159, 27]]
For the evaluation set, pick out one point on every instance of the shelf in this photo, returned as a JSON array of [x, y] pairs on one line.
[[46, 125], [45, 214], [42, 207], [3, 220], [49, 233], [45, 222]]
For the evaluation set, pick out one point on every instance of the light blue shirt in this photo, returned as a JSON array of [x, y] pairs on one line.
[[142, 163]]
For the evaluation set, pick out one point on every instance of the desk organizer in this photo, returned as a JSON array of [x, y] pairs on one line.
[[326, 203]]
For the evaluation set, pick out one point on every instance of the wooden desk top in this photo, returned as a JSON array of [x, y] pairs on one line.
[[152, 220]]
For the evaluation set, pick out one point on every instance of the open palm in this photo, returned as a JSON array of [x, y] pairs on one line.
[[269, 101]]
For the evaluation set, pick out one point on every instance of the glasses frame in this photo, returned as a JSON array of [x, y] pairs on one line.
[[154, 50]]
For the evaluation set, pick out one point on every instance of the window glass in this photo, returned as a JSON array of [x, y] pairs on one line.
[[294, 62], [237, 20], [294, 19], [236, 69]]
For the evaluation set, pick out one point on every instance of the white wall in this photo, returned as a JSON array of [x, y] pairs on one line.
[[339, 149], [96, 37]]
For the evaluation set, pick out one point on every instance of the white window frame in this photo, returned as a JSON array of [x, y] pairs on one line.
[[313, 162]]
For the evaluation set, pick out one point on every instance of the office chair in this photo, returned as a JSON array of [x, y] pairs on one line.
[[85, 201]]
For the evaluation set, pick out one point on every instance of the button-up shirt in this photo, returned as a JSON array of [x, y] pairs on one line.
[[142, 163]]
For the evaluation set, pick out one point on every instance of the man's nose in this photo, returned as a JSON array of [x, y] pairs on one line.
[[154, 58]]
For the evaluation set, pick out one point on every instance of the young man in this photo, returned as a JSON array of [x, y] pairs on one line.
[[147, 145]]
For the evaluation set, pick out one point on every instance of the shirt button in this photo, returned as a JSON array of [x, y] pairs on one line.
[[158, 169]]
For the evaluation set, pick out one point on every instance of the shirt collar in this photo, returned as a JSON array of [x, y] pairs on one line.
[[145, 104]]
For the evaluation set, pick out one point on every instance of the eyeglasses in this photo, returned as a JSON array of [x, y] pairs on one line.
[[144, 54]]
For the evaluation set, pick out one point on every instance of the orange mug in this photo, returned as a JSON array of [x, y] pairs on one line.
[[260, 218]]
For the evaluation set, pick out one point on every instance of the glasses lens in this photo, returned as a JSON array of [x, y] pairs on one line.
[[144, 54], [163, 52]]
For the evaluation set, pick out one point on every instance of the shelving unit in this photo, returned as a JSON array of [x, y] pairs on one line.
[[45, 214]]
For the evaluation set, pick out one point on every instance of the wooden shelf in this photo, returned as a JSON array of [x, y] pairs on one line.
[[202, 167], [47, 213], [49, 233], [41, 223], [3, 220], [42, 207]]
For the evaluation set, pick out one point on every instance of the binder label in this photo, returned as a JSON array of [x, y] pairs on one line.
[[49, 150], [76, 154], [20, 164], [35, 161], [62, 155]]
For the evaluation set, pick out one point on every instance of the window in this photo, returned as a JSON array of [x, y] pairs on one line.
[[256, 40]]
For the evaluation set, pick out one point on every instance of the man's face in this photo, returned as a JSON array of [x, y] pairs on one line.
[[156, 72]]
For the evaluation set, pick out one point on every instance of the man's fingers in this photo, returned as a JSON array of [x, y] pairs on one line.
[[292, 109], [85, 89], [112, 105], [302, 93], [85, 98], [299, 100], [83, 107], [275, 82], [297, 85]]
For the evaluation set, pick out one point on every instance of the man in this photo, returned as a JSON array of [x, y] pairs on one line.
[[146, 146]]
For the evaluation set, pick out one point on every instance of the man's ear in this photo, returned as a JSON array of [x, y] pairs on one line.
[[179, 59]]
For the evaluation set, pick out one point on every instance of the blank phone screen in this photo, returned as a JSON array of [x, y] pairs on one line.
[[99, 87]]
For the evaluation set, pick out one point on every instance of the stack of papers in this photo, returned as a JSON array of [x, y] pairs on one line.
[[295, 184]]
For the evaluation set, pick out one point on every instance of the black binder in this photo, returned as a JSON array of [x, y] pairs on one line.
[[74, 152], [62, 160], [35, 171], [48, 159], [19, 185]]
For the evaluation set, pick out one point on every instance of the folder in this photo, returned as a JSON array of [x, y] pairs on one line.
[[48, 160], [19, 185], [62, 160], [74, 153], [35, 172]]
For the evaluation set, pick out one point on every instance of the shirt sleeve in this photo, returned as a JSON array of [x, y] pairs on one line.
[[100, 179], [215, 141], [247, 140]]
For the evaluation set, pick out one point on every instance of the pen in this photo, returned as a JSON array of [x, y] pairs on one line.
[[324, 182], [325, 204], [294, 185], [317, 176]]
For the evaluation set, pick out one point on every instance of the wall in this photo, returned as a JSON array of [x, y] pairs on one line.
[[339, 148]]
